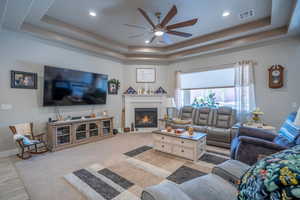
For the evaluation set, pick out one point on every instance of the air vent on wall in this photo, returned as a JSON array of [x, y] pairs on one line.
[[246, 14]]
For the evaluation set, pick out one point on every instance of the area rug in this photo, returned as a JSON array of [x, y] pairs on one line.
[[142, 167]]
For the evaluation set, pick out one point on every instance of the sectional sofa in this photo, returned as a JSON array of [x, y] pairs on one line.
[[215, 122]]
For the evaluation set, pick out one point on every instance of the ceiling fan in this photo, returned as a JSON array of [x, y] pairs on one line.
[[161, 29]]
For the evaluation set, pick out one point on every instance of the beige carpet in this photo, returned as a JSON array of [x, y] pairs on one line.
[[11, 186], [143, 167], [43, 174]]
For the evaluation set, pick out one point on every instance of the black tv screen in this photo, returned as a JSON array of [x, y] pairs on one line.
[[64, 87]]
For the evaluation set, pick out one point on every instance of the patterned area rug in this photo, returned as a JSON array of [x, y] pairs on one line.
[[142, 167]]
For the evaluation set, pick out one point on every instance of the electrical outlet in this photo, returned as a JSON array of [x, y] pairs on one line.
[[6, 107]]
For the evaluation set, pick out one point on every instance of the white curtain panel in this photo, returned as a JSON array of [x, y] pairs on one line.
[[178, 90], [244, 89]]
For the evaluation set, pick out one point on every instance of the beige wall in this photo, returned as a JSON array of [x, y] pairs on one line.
[[162, 77], [25, 54], [276, 103]]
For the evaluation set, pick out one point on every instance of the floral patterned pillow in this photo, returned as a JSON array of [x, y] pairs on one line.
[[274, 177]]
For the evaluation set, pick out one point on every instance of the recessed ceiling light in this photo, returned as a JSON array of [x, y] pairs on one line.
[[147, 41], [158, 33], [92, 13], [226, 13]]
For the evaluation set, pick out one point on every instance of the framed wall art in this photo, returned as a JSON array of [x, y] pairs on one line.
[[24, 80], [145, 75]]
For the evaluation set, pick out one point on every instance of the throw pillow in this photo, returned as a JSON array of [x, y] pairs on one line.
[[289, 130], [26, 141], [275, 177], [297, 119]]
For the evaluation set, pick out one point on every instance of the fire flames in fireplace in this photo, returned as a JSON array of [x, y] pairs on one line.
[[145, 117]]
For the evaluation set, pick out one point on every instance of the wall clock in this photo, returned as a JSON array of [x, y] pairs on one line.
[[276, 76]]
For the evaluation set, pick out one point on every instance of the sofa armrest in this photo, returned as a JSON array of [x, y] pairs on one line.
[[164, 191], [252, 149], [261, 142], [256, 133]]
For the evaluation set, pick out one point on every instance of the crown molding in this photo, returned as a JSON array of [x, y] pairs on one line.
[[205, 39], [125, 57], [102, 40]]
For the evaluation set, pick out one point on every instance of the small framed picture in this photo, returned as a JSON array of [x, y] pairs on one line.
[[25, 80], [112, 88], [145, 75]]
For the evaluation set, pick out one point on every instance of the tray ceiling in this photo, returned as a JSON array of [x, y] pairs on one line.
[[113, 14], [68, 22]]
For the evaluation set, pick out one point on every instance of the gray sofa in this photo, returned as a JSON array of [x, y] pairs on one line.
[[218, 185], [215, 122]]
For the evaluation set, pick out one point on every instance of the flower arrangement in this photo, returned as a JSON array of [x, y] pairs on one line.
[[208, 101]]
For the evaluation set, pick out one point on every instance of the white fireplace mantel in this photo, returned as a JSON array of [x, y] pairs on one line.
[[132, 102]]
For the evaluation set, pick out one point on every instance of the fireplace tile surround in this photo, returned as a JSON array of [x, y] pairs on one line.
[[136, 102]]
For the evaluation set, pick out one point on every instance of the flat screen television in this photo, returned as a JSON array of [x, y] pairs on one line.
[[65, 87]]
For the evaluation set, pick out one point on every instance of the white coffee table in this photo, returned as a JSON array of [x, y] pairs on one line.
[[183, 145]]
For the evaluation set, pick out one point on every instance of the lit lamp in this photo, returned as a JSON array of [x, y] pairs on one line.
[[170, 104]]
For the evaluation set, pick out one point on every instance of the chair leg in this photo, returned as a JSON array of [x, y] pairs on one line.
[[22, 154]]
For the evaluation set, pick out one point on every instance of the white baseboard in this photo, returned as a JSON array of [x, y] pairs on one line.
[[12, 152]]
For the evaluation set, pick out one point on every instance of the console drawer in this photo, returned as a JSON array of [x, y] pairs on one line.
[[162, 138], [163, 146], [184, 142], [183, 152]]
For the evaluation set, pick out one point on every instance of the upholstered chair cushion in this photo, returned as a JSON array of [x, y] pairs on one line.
[[203, 116], [219, 134], [210, 187], [223, 117], [186, 113]]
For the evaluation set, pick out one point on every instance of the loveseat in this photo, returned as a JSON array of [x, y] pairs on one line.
[[215, 122]]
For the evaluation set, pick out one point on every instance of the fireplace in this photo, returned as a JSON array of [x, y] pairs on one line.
[[145, 117]]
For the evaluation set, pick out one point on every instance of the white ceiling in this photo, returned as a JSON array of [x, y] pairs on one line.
[[112, 14]]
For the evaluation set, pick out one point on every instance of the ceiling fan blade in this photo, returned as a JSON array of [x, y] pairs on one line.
[[135, 26], [183, 24], [137, 35], [146, 17], [178, 33], [169, 16], [152, 39], [166, 38]]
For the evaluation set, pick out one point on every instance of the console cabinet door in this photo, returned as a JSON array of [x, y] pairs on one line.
[[81, 132], [94, 129], [63, 135]]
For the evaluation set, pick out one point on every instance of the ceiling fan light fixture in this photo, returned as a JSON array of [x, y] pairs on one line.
[[92, 13], [147, 41], [226, 14], [158, 33]]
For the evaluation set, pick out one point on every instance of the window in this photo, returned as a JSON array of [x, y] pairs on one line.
[[209, 87]]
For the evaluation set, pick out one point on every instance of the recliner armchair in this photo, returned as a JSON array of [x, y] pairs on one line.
[[251, 144]]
